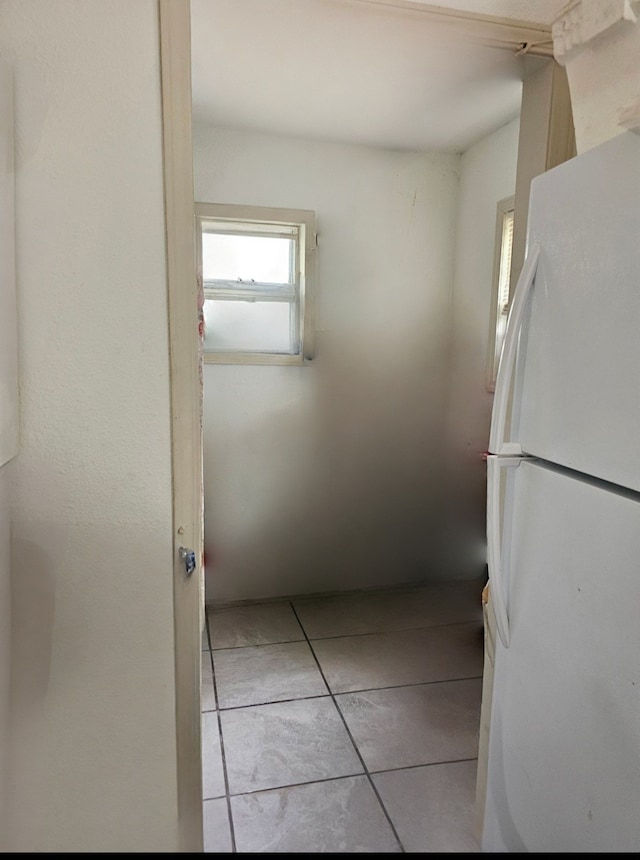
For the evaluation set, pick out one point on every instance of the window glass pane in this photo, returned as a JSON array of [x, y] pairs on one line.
[[504, 277], [248, 326], [261, 258], [505, 261]]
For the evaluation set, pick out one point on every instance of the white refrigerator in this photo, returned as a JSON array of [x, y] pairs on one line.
[[563, 521]]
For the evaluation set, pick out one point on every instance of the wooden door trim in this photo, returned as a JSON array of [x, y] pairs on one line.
[[186, 441]]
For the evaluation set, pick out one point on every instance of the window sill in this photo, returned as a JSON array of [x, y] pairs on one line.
[[254, 358]]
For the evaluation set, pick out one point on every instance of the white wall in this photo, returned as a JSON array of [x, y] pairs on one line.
[[488, 174], [5, 641], [8, 412], [328, 477], [93, 764]]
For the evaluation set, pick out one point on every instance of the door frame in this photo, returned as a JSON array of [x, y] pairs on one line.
[[186, 404], [185, 357]]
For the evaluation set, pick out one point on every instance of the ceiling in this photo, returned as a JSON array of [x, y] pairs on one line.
[[353, 71]]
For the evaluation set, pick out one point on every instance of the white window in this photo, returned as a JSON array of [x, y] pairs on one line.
[[257, 267], [501, 284]]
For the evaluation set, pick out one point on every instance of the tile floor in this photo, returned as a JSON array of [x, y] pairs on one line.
[[343, 724]]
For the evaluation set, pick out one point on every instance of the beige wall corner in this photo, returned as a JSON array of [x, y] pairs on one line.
[[598, 41]]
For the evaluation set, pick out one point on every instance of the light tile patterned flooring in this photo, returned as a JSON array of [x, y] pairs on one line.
[[343, 723]]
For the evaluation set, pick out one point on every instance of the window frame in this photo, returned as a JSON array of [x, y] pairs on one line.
[[304, 220], [503, 207]]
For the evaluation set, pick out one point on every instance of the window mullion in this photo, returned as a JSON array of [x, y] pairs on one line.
[[232, 290]]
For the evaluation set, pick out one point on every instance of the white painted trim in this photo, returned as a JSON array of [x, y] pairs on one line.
[[305, 219], [582, 21], [260, 214], [508, 33], [252, 358], [186, 441]]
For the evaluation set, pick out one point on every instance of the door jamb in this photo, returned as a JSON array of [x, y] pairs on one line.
[[186, 432]]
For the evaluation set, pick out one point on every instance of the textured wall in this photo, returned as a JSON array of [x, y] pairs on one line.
[[93, 704], [5, 641], [328, 476], [8, 412], [488, 174]]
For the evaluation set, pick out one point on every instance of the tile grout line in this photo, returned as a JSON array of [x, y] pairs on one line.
[[344, 693], [476, 622], [258, 645], [414, 684], [298, 784], [428, 764], [275, 702], [345, 776], [222, 753], [351, 738], [406, 590]]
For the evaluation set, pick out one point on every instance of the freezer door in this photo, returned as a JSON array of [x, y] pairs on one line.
[[564, 748], [577, 383]]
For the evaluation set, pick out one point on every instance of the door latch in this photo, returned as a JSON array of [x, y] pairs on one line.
[[188, 557]]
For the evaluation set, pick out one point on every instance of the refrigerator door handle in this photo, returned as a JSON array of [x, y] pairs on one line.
[[494, 542], [497, 442]]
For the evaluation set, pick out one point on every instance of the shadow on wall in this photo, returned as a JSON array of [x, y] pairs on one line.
[[33, 587], [346, 482], [468, 412], [32, 608]]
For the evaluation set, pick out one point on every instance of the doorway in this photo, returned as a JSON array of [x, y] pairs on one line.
[[401, 521]]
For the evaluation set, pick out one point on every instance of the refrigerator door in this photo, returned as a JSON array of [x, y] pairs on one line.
[[577, 386], [564, 748]]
